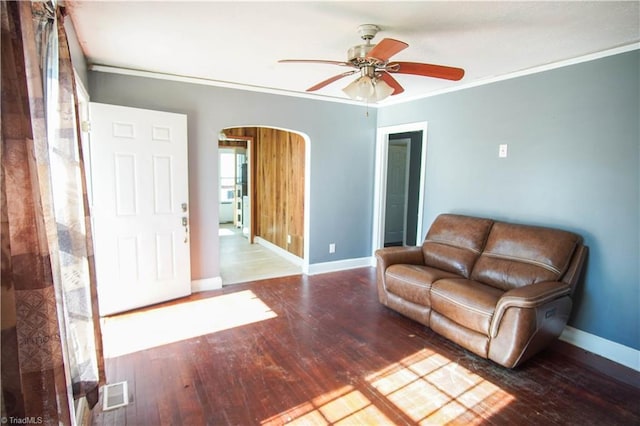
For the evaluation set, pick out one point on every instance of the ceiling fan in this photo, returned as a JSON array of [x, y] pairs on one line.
[[372, 61]]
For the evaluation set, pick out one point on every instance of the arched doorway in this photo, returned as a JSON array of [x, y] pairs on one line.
[[263, 199]]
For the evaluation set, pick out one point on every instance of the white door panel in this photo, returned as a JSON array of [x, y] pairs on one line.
[[140, 185]]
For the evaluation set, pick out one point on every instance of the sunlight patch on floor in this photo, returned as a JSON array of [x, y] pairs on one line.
[[431, 389], [127, 333], [425, 388], [345, 406]]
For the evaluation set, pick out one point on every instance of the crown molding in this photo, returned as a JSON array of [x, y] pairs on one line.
[[522, 73], [388, 102], [217, 83]]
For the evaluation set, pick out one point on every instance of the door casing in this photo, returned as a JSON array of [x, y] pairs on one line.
[[380, 180]]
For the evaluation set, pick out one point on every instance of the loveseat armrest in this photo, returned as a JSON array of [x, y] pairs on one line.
[[399, 255], [393, 256], [529, 296]]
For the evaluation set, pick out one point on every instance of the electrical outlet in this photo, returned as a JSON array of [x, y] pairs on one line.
[[502, 150], [332, 248], [288, 239]]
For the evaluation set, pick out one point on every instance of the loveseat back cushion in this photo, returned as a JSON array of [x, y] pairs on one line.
[[454, 242], [519, 255]]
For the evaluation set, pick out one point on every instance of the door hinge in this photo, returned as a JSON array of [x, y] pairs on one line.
[[85, 126]]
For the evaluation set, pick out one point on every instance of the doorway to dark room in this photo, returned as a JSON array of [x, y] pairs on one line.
[[403, 188], [400, 173]]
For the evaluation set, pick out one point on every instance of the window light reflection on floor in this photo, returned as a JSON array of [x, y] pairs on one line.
[[344, 406], [127, 333], [425, 387], [429, 388]]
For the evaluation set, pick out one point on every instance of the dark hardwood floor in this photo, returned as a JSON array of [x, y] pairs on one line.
[[321, 350]]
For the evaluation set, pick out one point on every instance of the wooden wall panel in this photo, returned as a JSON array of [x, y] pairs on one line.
[[278, 208], [295, 214], [266, 203], [280, 189]]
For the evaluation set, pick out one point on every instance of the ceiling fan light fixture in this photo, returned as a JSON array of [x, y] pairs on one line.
[[368, 89], [360, 89], [382, 90]]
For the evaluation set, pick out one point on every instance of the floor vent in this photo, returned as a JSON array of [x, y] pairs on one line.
[[114, 396]]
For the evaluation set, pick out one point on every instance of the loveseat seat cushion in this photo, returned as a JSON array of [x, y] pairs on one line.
[[519, 255], [454, 242], [413, 282], [468, 303]]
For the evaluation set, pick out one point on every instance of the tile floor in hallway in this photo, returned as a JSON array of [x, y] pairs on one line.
[[241, 261]]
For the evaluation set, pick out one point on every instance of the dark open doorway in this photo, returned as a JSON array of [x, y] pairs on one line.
[[409, 141], [404, 163]]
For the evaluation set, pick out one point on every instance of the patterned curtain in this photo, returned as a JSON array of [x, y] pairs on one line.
[[51, 348], [74, 233]]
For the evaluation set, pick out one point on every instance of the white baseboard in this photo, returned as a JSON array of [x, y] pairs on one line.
[[280, 251], [206, 284], [338, 265], [613, 351]]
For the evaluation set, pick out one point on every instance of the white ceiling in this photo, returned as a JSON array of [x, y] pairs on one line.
[[240, 42]]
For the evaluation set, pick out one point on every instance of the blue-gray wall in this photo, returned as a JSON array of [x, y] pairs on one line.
[[342, 157], [574, 162], [574, 153]]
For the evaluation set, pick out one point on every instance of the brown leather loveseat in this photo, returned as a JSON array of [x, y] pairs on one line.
[[500, 290]]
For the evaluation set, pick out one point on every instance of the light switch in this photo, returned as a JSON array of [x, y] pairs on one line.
[[502, 151]]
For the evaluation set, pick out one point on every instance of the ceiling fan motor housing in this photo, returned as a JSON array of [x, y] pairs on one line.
[[368, 31], [358, 55], [359, 52]]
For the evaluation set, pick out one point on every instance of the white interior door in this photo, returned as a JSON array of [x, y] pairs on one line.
[[397, 185], [140, 210]]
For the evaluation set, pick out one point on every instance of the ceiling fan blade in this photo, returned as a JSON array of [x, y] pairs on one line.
[[387, 78], [427, 70], [329, 81], [386, 49], [314, 61]]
